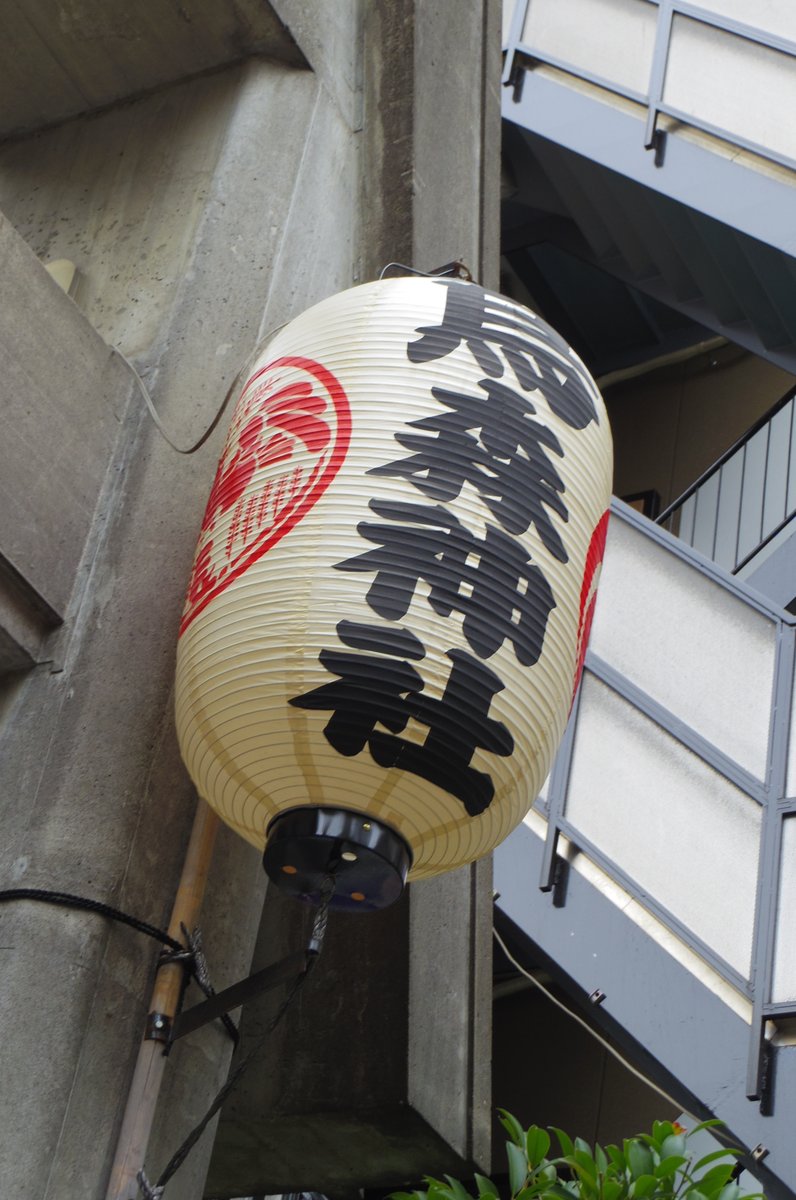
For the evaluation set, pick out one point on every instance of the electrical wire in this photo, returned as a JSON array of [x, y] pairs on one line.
[[597, 1036], [717, 1133], [153, 412]]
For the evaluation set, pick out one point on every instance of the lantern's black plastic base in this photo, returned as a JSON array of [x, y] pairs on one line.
[[369, 862]]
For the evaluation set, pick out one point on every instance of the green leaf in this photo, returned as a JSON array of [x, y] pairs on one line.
[[518, 1167], [642, 1186], [564, 1141], [616, 1156], [714, 1155], [533, 1190], [584, 1161], [668, 1166], [458, 1191], [537, 1143], [661, 1130], [600, 1159], [673, 1144], [730, 1191], [485, 1186], [557, 1191], [711, 1124], [512, 1127], [715, 1179], [639, 1158]]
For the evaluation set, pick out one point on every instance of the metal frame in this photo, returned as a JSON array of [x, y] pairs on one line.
[[517, 50], [695, 490], [769, 792]]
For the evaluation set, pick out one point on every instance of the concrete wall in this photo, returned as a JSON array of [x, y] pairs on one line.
[[63, 402], [95, 799], [200, 217]]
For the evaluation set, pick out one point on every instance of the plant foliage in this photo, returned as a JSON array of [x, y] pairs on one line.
[[650, 1166]]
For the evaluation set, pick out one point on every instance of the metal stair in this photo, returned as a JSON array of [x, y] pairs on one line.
[[694, 215], [657, 872]]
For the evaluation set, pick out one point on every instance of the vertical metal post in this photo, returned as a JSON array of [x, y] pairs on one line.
[[769, 861], [515, 37], [556, 797], [660, 58]]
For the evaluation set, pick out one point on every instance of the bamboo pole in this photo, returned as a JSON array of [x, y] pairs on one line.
[[142, 1099]]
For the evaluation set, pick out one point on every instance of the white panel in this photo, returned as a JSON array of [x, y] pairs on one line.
[[611, 38], [776, 487], [707, 498], [790, 786], [729, 509], [685, 530], [792, 467], [784, 981], [732, 83], [683, 833], [772, 16], [689, 643], [508, 14], [754, 457]]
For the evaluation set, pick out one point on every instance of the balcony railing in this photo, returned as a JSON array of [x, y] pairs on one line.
[[677, 775], [746, 497], [688, 62]]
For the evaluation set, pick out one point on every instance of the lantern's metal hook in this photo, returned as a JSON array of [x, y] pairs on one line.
[[457, 269], [266, 979]]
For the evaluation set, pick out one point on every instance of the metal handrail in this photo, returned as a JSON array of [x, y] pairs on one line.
[[653, 98], [759, 424]]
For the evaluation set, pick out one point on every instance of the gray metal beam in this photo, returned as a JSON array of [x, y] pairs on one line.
[[758, 204], [682, 1023]]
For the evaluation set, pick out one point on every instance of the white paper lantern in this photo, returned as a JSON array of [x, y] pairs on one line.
[[393, 584]]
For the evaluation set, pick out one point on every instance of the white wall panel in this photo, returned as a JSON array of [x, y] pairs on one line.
[[682, 832], [732, 83], [611, 38], [784, 981], [694, 647]]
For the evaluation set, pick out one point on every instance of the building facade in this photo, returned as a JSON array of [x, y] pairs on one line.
[[196, 175]]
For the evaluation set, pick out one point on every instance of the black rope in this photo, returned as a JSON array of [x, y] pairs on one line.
[[67, 900], [315, 946], [192, 958]]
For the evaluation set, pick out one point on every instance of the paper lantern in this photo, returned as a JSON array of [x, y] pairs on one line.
[[393, 585]]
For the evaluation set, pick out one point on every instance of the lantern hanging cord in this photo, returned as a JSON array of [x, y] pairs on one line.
[[153, 412], [192, 958], [314, 947], [458, 269]]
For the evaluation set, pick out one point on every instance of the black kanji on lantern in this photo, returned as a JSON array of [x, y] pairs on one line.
[[488, 580], [539, 357], [381, 688], [505, 459]]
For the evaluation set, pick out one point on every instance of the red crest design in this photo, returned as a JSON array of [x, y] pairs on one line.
[[588, 593], [290, 434]]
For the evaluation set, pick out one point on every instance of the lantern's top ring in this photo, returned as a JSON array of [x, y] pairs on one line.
[[368, 861]]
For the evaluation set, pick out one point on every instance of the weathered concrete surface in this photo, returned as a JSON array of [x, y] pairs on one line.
[[62, 398], [431, 185], [64, 57], [243, 198], [330, 36], [95, 799]]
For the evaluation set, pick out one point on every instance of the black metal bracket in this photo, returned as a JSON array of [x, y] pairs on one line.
[[238, 993]]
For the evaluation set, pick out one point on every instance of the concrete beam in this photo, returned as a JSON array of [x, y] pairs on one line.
[[59, 60]]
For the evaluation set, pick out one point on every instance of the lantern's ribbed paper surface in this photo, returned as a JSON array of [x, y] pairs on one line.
[[396, 571]]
